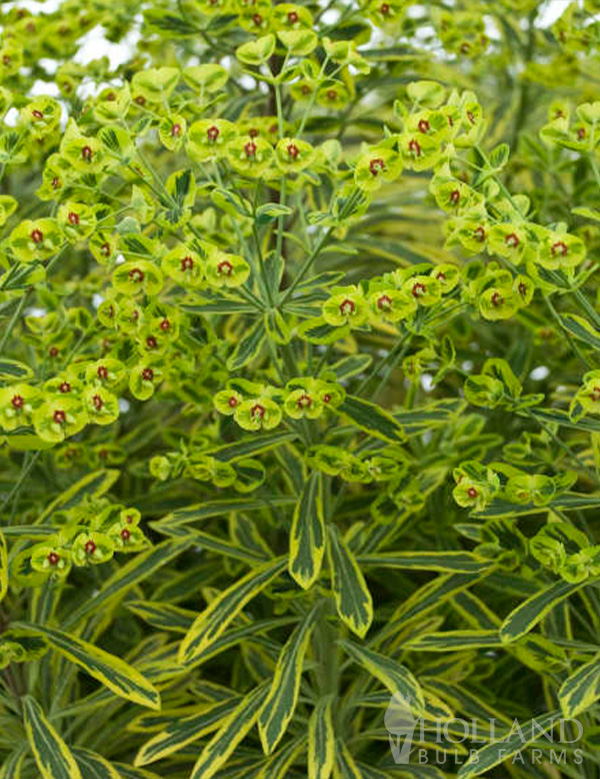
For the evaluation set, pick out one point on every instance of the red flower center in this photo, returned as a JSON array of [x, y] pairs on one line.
[[147, 374], [472, 492], [17, 401], [253, 132], [293, 151], [304, 401], [73, 218], [37, 114], [471, 117], [560, 247], [455, 197], [90, 547], [165, 324], [419, 289], [37, 236], [376, 166], [151, 342], [87, 153], [111, 97], [480, 234], [331, 94], [137, 275], [176, 130], [257, 19], [105, 249], [581, 133], [441, 276], [347, 307], [257, 411], [326, 397], [384, 302], [512, 240], [187, 263], [232, 402], [497, 299], [140, 100], [292, 17], [65, 387], [55, 182], [415, 148], [384, 9], [102, 372], [250, 149], [53, 558], [212, 133], [126, 534], [98, 402], [595, 394], [59, 417], [424, 126], [225, 268], [53, 351]]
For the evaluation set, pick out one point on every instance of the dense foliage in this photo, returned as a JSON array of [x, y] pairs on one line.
[[299, 385]]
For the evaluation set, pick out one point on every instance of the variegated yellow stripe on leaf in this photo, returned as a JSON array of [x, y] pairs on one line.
[[321, 740], [530, 612], [13, 764], [345, 764], [53, 757], [581, 690], [120, 677], [96, 484], [283, 695], [352, 596], [182, 731], [94, 766], [163, 615], [307, 538], [278, 765], [214, 620], [454, 640], [3, 567], [392, 674], [372, 419], [130, 772], [232, 731]]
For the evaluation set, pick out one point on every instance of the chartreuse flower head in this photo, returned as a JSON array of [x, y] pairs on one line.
[[376, 165], [476, 485], [91, 548], [208, 139], [55, 561], [346, 306], [226, 270], [184, 266], [36, 239], [17, 402]]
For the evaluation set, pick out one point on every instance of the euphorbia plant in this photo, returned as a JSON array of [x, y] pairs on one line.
[[299, 386]]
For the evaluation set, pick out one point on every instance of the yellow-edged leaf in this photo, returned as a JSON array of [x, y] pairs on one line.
[[307, 539], [352, 596], [53, 757], [321, 740]]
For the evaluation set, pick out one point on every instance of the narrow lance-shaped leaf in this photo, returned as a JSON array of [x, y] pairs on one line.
[[581, 690], [232, 731], [307, 538], [530, 612], [94, 766], [120, 677], [53, 757], [214, 620], [352, 596], [392, 674], [3, 567], [372, 419], [283, 695], [321, 740], [184, 731]]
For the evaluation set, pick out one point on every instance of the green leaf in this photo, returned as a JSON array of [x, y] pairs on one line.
[[184, 731], [500, 750], [454, 640], [94, 766], [250, 445], [13, 369], [392, 674], [120, 677], [248, 346], [582, 329], [214, 620], [321, 740], [53, 757], [268, 212], [307, 537], [3, 567], [372, 419], [216, 508], [232, 731], [581, 690], [164, 616], [282, 698], [94, 484], [530, 612], [446, 562], [352, 596]]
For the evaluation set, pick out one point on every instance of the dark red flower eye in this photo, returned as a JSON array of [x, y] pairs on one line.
[[55, 182], [59, 417], [331, 94], [384, 302], [347, 307], [37, 236], [560, 247], [257, 19], [17, 401], [140, 100], [151, 342], [73, 218], [232, 402], [472, 492], [419, 289], [250, 149], [415, 147], [384, 9], [441, 276], [65, 387], [522, 288], [497, 299], [98, 402], [292, 17], [111, 97], [137, 275], [581, 133], [471, 117], [424, 126], [176, 130], [53, 351], [125, 534], [53, 558], [257, 411], [212, 133], [147, 374], [90, 547], [595, 394], [512, 240], [376, 166], [105, 250], [253, 132], [304, 401], [225, 268], [293, 151], [87, 153], [37, 114], [165, 324], [326, 397], [187, 263], [480, 234], [455, 197], [102, 372]]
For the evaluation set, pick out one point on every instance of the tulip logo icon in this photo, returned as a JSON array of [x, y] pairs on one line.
[[400, 723]]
